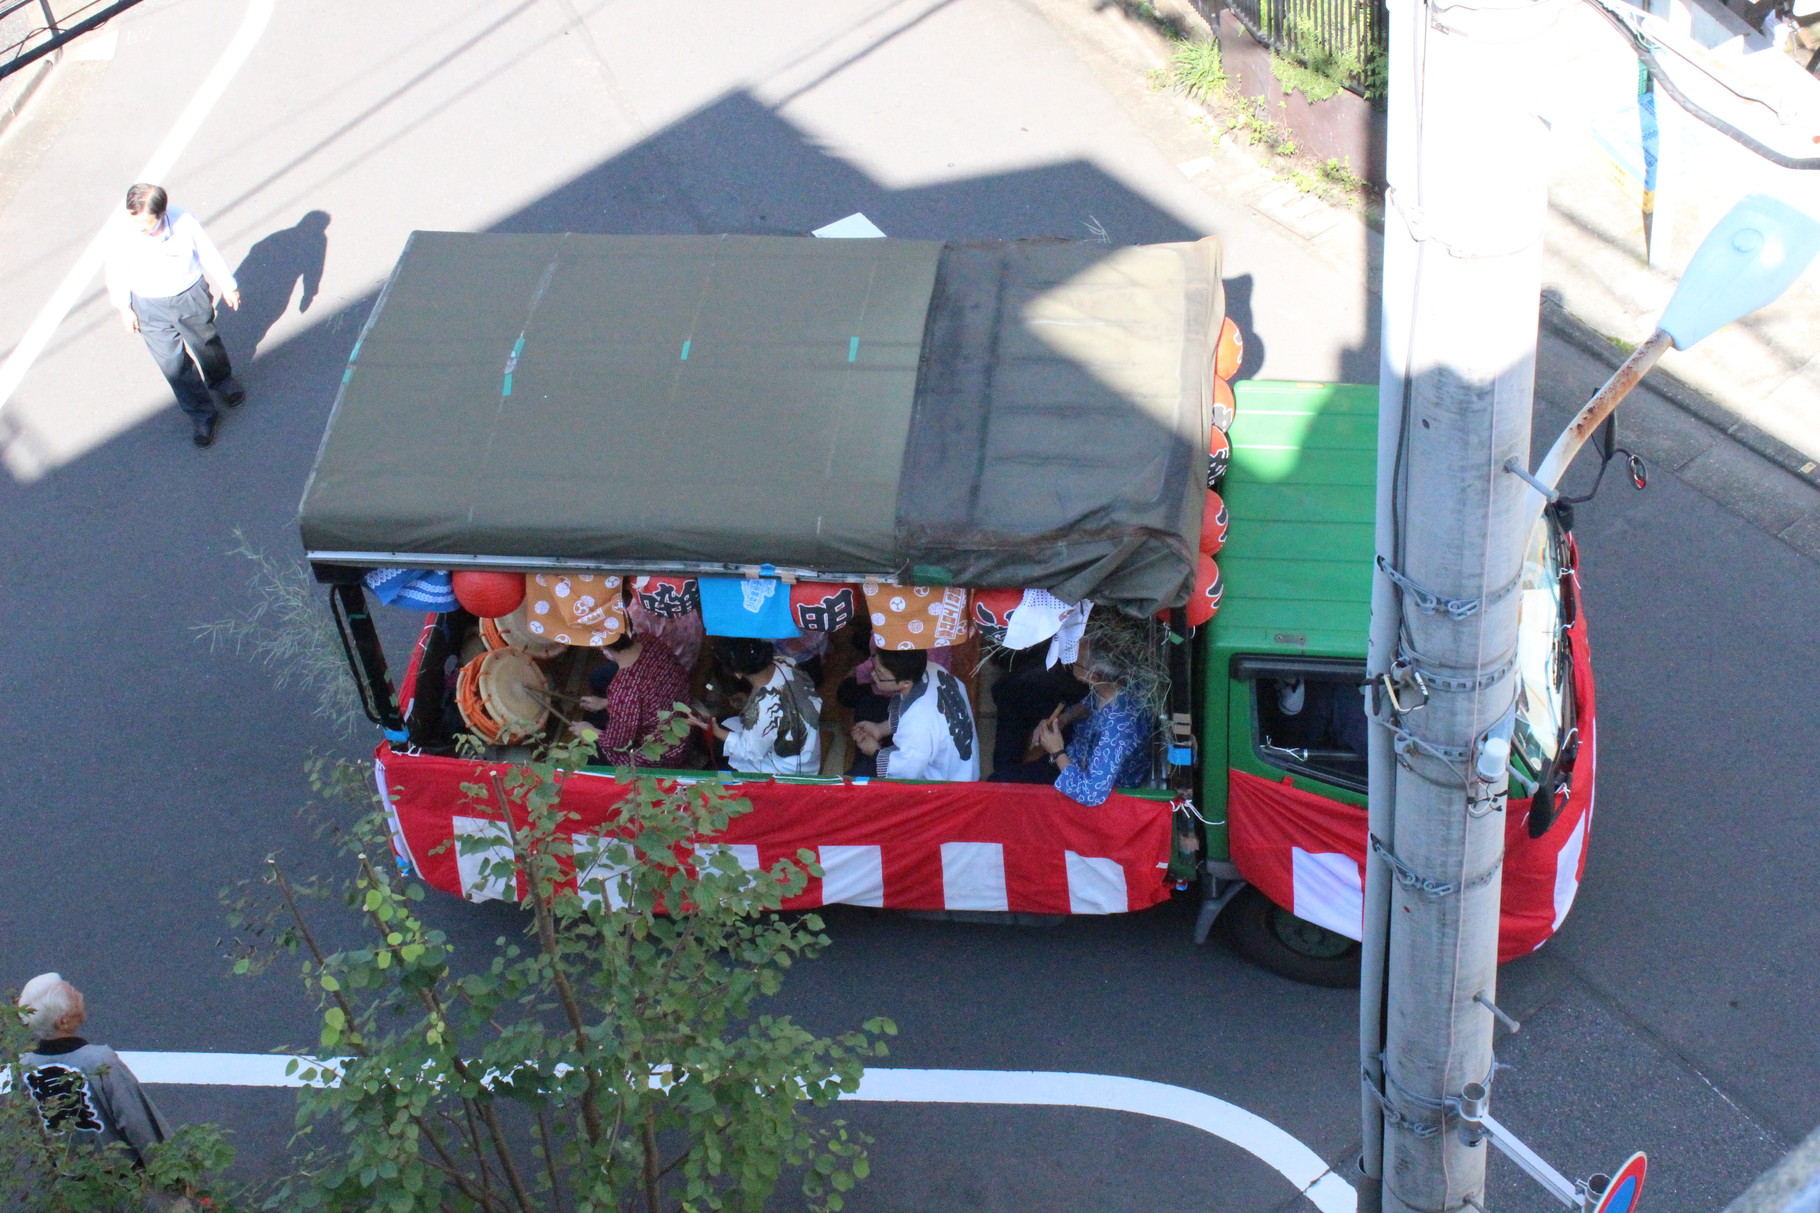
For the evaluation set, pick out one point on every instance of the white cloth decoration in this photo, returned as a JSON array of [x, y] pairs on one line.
[[1036, 619], [1067, 643]]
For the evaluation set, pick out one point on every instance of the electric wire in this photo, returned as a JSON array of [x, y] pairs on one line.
[[1644, 46]]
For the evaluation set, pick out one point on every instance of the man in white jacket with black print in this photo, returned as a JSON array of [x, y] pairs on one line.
[[779, 730], [930, 733]]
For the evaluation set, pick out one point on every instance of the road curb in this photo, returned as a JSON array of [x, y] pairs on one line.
[[13, 108]]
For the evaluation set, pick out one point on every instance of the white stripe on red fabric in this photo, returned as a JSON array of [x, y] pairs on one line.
[[1567, 871], [973, 876], [1096, 886], [401, 847], [852, 876], [483, 868], [1329, 891]]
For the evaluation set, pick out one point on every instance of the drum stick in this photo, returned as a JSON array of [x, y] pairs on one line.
[[547, 701], [1034, 750]]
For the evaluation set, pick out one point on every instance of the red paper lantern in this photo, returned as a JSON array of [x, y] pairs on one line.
[[1225, 408], [489, 595], [992, 611], [1230, 351], [1207, 590], [1219, 455], [666, 596], [823, 606], [1213, 525]]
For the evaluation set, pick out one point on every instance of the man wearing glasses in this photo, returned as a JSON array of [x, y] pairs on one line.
[[929, 732]]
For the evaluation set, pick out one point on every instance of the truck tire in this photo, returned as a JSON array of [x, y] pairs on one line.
[[1272, 938]]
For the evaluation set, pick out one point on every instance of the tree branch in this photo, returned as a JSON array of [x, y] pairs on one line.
[[347, 1011], [571, 1007], [502, 1150], [651, 1174]]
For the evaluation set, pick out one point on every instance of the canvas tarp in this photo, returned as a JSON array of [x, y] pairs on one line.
[[992, 415]]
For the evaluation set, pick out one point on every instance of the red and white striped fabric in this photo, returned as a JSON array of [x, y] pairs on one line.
[[952, 846], [1306, 852]]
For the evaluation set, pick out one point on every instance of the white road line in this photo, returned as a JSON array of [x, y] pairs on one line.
[[1271, 1145], [38, 336], [1250, 1132]]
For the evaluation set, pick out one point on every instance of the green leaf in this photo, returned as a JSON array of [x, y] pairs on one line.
[[329, 983]]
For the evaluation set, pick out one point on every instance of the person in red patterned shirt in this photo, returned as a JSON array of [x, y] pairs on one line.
[[647, 687]]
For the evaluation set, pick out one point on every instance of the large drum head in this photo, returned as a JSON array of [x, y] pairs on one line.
[[514, 693], [509, 631]]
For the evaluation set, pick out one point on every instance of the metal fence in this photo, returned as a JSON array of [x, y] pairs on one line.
[[32, 29], [1345, 37]]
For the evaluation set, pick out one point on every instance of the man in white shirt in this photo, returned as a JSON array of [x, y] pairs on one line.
[[155, 281], [779, 730], [930, 732]]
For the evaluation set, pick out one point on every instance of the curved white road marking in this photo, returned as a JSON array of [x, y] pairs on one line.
[[13, 371], [1250, 1132]]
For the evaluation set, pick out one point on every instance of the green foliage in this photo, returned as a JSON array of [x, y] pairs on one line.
[[1195, 69], [1338, 172], [1250, 118], [1311, 82], [616, 1057], [1321, 70], [287, 631], [1331, 180], [44, 1172]]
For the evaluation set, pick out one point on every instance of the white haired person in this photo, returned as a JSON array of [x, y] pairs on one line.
[[82, 1088], [1110, 746]]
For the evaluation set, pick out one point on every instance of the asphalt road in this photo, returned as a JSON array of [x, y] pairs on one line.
[[145, 771]]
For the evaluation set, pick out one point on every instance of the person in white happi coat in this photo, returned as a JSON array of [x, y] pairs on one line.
[[930, 732], [779, 730]]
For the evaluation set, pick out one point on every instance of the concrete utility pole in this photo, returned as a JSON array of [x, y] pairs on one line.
[[1462, 252]]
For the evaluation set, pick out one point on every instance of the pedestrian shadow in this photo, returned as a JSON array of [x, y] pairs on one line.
[[268, 276]]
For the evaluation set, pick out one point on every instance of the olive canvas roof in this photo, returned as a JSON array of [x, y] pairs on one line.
[[1002, 414]]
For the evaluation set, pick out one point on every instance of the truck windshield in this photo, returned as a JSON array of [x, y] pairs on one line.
[[1543, 664]]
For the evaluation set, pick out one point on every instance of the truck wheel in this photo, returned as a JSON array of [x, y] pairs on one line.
[[1272, 938]]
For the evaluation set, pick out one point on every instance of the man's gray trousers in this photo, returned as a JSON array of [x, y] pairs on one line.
[[178, 328]]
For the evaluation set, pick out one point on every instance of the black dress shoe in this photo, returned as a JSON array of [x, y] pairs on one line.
[[232, 394], [205, 431]]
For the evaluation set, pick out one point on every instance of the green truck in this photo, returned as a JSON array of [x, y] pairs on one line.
[[878, 418]]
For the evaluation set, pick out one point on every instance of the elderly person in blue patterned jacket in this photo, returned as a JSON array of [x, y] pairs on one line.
[[1110, 747]]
